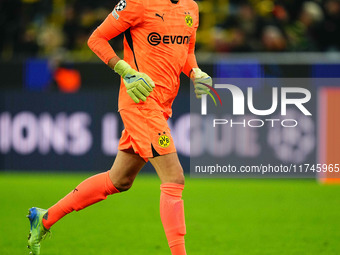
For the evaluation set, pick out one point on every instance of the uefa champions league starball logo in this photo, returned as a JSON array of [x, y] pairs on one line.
[[121, 5], [293, 144]]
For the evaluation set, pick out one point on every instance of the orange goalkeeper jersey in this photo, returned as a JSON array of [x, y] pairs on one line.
[[159, 37]]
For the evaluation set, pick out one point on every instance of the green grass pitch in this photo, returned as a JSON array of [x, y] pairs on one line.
[[233, 217]]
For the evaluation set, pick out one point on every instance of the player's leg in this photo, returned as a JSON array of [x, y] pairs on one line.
[[96, 188], [90, 191], [148, 133], [171, 175], [125, 169]]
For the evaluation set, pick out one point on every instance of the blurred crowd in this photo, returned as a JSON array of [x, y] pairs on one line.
[[282, 25], [50, 27], [58, 27]]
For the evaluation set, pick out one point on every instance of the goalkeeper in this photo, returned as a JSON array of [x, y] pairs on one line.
[[159, 42]]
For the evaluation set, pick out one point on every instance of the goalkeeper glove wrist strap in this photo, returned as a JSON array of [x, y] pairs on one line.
[[121, 67]]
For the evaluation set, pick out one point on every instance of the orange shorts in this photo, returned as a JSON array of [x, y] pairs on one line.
[[146, 132]]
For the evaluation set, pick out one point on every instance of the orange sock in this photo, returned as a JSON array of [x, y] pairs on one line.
[[172, 216], [90, 191]]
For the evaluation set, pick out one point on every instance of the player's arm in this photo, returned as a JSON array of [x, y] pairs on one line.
[[138, 85], [201, 80], [191, 61]]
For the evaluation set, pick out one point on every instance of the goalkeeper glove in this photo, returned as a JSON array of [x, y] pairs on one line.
[[138, 85], [199, 78]]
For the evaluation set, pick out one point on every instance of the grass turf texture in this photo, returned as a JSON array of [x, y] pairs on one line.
[[223, 217]]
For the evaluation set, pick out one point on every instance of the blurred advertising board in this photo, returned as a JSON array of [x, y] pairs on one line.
[[54, 131]]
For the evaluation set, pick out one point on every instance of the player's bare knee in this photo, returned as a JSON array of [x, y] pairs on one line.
[[124, 184], [123, 187], [180, 179], [177, 178]]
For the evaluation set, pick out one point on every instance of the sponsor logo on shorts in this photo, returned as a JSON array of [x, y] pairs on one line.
[[163, 140]]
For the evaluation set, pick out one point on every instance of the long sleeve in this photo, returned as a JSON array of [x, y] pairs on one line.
[[121, 18], [191, 59], [99, 41]]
